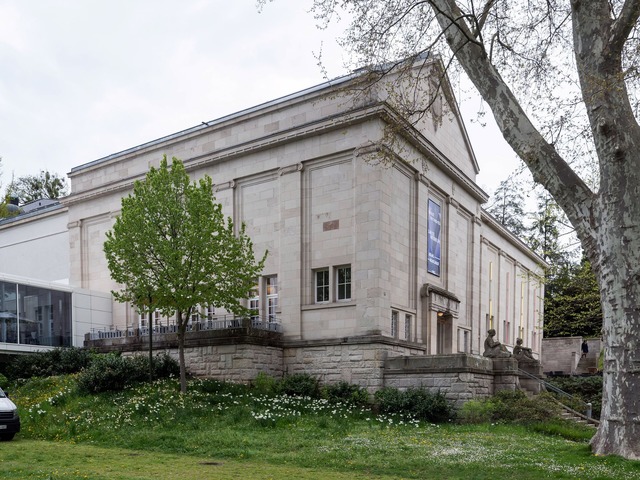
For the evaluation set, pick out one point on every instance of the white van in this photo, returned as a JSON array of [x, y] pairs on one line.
[[9, 420]]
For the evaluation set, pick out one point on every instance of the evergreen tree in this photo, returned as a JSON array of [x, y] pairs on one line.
[[507, 205], [572, 302]]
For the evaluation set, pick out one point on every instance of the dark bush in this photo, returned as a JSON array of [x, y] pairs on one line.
[[113, 372], [345, 392], [165, 366], [418, 402], [59, 361], [109, 372], [300, 385]]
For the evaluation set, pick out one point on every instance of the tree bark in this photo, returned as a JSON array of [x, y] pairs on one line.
[[607, 223], [598, 43]]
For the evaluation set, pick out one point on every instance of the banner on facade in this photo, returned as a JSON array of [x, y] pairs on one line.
[[433, 238]]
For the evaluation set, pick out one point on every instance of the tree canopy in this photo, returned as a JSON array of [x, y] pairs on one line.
[[561, 78], [35, 187], [172, 250]]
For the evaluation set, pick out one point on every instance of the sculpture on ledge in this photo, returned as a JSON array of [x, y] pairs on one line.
[[493, 348], [521, 353]]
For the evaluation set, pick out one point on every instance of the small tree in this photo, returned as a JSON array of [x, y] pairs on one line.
[[43, 185], [172, 250]]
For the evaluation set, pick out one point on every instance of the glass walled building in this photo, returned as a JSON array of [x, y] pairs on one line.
[[33, 315]]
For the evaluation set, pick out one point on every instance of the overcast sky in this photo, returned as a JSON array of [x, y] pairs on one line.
[[82, 79]]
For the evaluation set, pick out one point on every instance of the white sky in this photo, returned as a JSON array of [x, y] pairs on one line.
[[82, 79]]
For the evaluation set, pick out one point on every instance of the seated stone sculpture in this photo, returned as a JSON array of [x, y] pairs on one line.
[[493, 348], [523, 353]]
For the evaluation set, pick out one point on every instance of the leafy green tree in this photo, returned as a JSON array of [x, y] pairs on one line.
[[572, 302], [43, 185], [172, 250]]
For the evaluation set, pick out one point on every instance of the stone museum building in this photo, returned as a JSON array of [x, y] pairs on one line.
[[378, 244]]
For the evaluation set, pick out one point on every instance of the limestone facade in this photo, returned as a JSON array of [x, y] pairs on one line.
[[371, 256]]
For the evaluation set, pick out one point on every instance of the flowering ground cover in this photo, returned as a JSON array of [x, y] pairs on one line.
[[291, 437]]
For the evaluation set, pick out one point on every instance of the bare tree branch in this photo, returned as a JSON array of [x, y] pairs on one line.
[[623, 25]]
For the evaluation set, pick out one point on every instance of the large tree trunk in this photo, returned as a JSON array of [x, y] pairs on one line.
[[615, 254], [619, 431], [607, 223]]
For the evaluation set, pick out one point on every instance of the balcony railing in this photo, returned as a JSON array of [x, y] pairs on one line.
[[223, 322]]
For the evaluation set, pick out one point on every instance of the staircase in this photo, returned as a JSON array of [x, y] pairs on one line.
[[577, 417], [567, 413]]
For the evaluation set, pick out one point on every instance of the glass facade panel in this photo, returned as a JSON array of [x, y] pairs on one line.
[[34, 315]]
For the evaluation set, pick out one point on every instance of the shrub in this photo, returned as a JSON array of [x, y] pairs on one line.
[[300, 385], [109, 372], [113, 372], [59, 361], [586, 389], [418, 402], [165, 366], [3, 381], [509, 407], [345, 392], [476, 411], [265, 384]]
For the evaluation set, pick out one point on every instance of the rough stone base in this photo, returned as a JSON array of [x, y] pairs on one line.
[[359, 361], [459, 377]]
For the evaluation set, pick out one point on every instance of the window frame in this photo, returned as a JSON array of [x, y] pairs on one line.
[[325, 286], [345, 285]]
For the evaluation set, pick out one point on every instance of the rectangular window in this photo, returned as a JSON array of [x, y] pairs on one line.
[[343, 282], [254, 301], [211, 312], [394, 324], [407, 327], [322, 286], [272, 297]]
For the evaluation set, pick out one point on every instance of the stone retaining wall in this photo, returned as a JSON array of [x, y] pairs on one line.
[[357, 360], [371, 361], [459, 377], [234, 363]]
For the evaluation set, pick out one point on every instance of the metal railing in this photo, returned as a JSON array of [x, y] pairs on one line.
[[588, 408], [224, 322]]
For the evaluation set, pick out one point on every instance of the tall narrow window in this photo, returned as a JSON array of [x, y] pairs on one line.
[[407, 327], [343, 283], [254, 301], [211, 312], [272, 297], [322, 286], [394, 324]]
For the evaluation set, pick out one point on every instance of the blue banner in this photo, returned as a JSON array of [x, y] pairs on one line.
[[433, 238]]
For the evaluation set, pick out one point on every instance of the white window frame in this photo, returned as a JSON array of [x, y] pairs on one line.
[[325, 286], [271, 287], [345, 285]]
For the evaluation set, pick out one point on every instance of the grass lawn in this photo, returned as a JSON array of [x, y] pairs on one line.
[[217, 431]]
